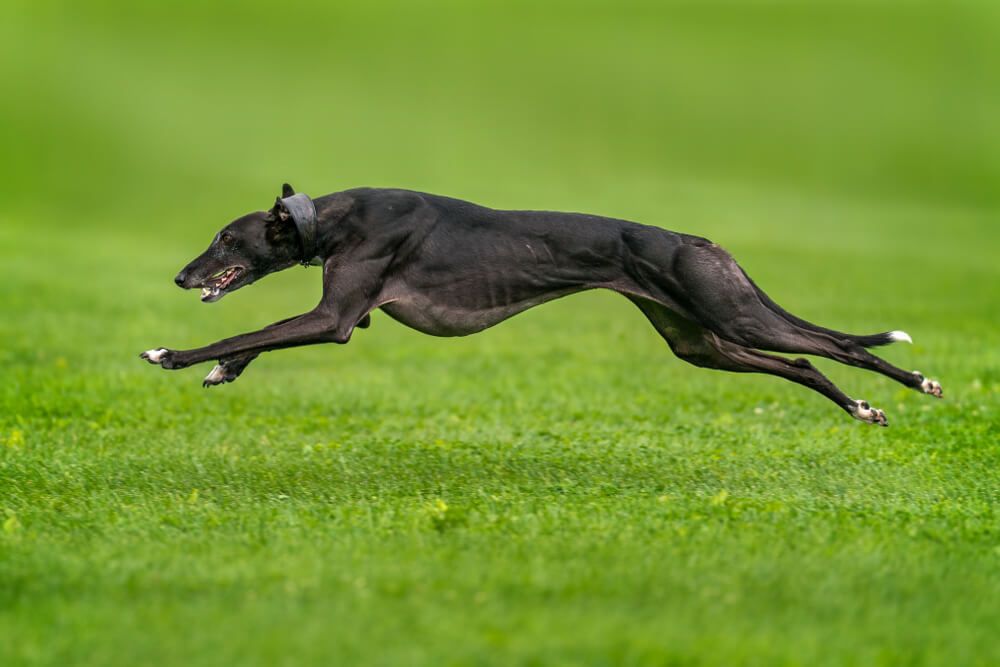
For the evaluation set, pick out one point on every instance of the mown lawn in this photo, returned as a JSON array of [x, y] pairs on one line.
[[559, 490]]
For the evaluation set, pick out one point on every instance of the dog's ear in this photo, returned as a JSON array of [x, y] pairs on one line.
[[278, 211], [287, 190], [279, 226]]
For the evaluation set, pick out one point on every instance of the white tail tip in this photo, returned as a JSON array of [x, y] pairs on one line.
[[900, 336]]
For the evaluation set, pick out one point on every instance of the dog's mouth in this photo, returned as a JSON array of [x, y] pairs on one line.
[[214, 288]]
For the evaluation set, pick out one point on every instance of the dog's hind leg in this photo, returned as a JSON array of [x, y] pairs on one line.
[[846, 348], [719, 294], [701, 347], [849, 352]]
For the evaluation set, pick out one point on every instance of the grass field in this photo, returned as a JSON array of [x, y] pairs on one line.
[[559, 490]]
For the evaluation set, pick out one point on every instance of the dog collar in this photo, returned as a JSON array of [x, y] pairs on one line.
[[303, 212]]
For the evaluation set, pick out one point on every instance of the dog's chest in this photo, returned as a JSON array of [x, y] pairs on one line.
[[439, 319], [457, 313]]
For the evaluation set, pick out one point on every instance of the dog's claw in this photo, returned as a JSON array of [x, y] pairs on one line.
[[862, 411], [927, 386]]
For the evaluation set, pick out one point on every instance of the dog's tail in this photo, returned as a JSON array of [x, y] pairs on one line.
[[870, 340]]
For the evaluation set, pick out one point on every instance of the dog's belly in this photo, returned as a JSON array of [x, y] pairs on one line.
[[442, 318]]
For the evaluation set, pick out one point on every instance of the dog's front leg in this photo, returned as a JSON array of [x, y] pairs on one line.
[[318, 326], [231, 367]]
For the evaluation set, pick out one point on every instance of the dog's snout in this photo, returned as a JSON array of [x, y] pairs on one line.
[[181, 278]]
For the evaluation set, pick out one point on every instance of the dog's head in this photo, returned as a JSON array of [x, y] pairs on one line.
[[244, 251]]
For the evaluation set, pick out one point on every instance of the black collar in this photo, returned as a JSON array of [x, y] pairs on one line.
[[303, 212]]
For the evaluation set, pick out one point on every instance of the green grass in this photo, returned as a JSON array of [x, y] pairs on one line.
[[559, 489]]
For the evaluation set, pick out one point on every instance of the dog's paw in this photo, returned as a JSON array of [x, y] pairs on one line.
[[227, 370], [932, 387], [216, 376], [866, 413], [163, 358], [156, 355]]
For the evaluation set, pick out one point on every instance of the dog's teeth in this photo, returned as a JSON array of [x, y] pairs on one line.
[[205, 291]]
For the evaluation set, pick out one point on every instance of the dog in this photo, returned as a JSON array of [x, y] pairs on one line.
[[448, 267]]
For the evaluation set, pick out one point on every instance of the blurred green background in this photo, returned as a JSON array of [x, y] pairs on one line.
[[168, 107], [557, 490]]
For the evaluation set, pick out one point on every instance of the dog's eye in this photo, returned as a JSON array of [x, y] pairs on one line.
[[226, 238]]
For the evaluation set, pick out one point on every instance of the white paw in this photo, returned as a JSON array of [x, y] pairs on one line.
[[932, 387], [154, 356], [867, 413], [216, 376]]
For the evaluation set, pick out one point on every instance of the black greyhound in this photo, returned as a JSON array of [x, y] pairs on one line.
[[447, 267]]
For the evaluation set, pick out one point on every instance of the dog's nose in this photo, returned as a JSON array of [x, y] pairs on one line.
[[181, 277]]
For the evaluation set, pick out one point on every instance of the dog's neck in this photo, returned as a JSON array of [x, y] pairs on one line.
[[302, 210], [330, 211]]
